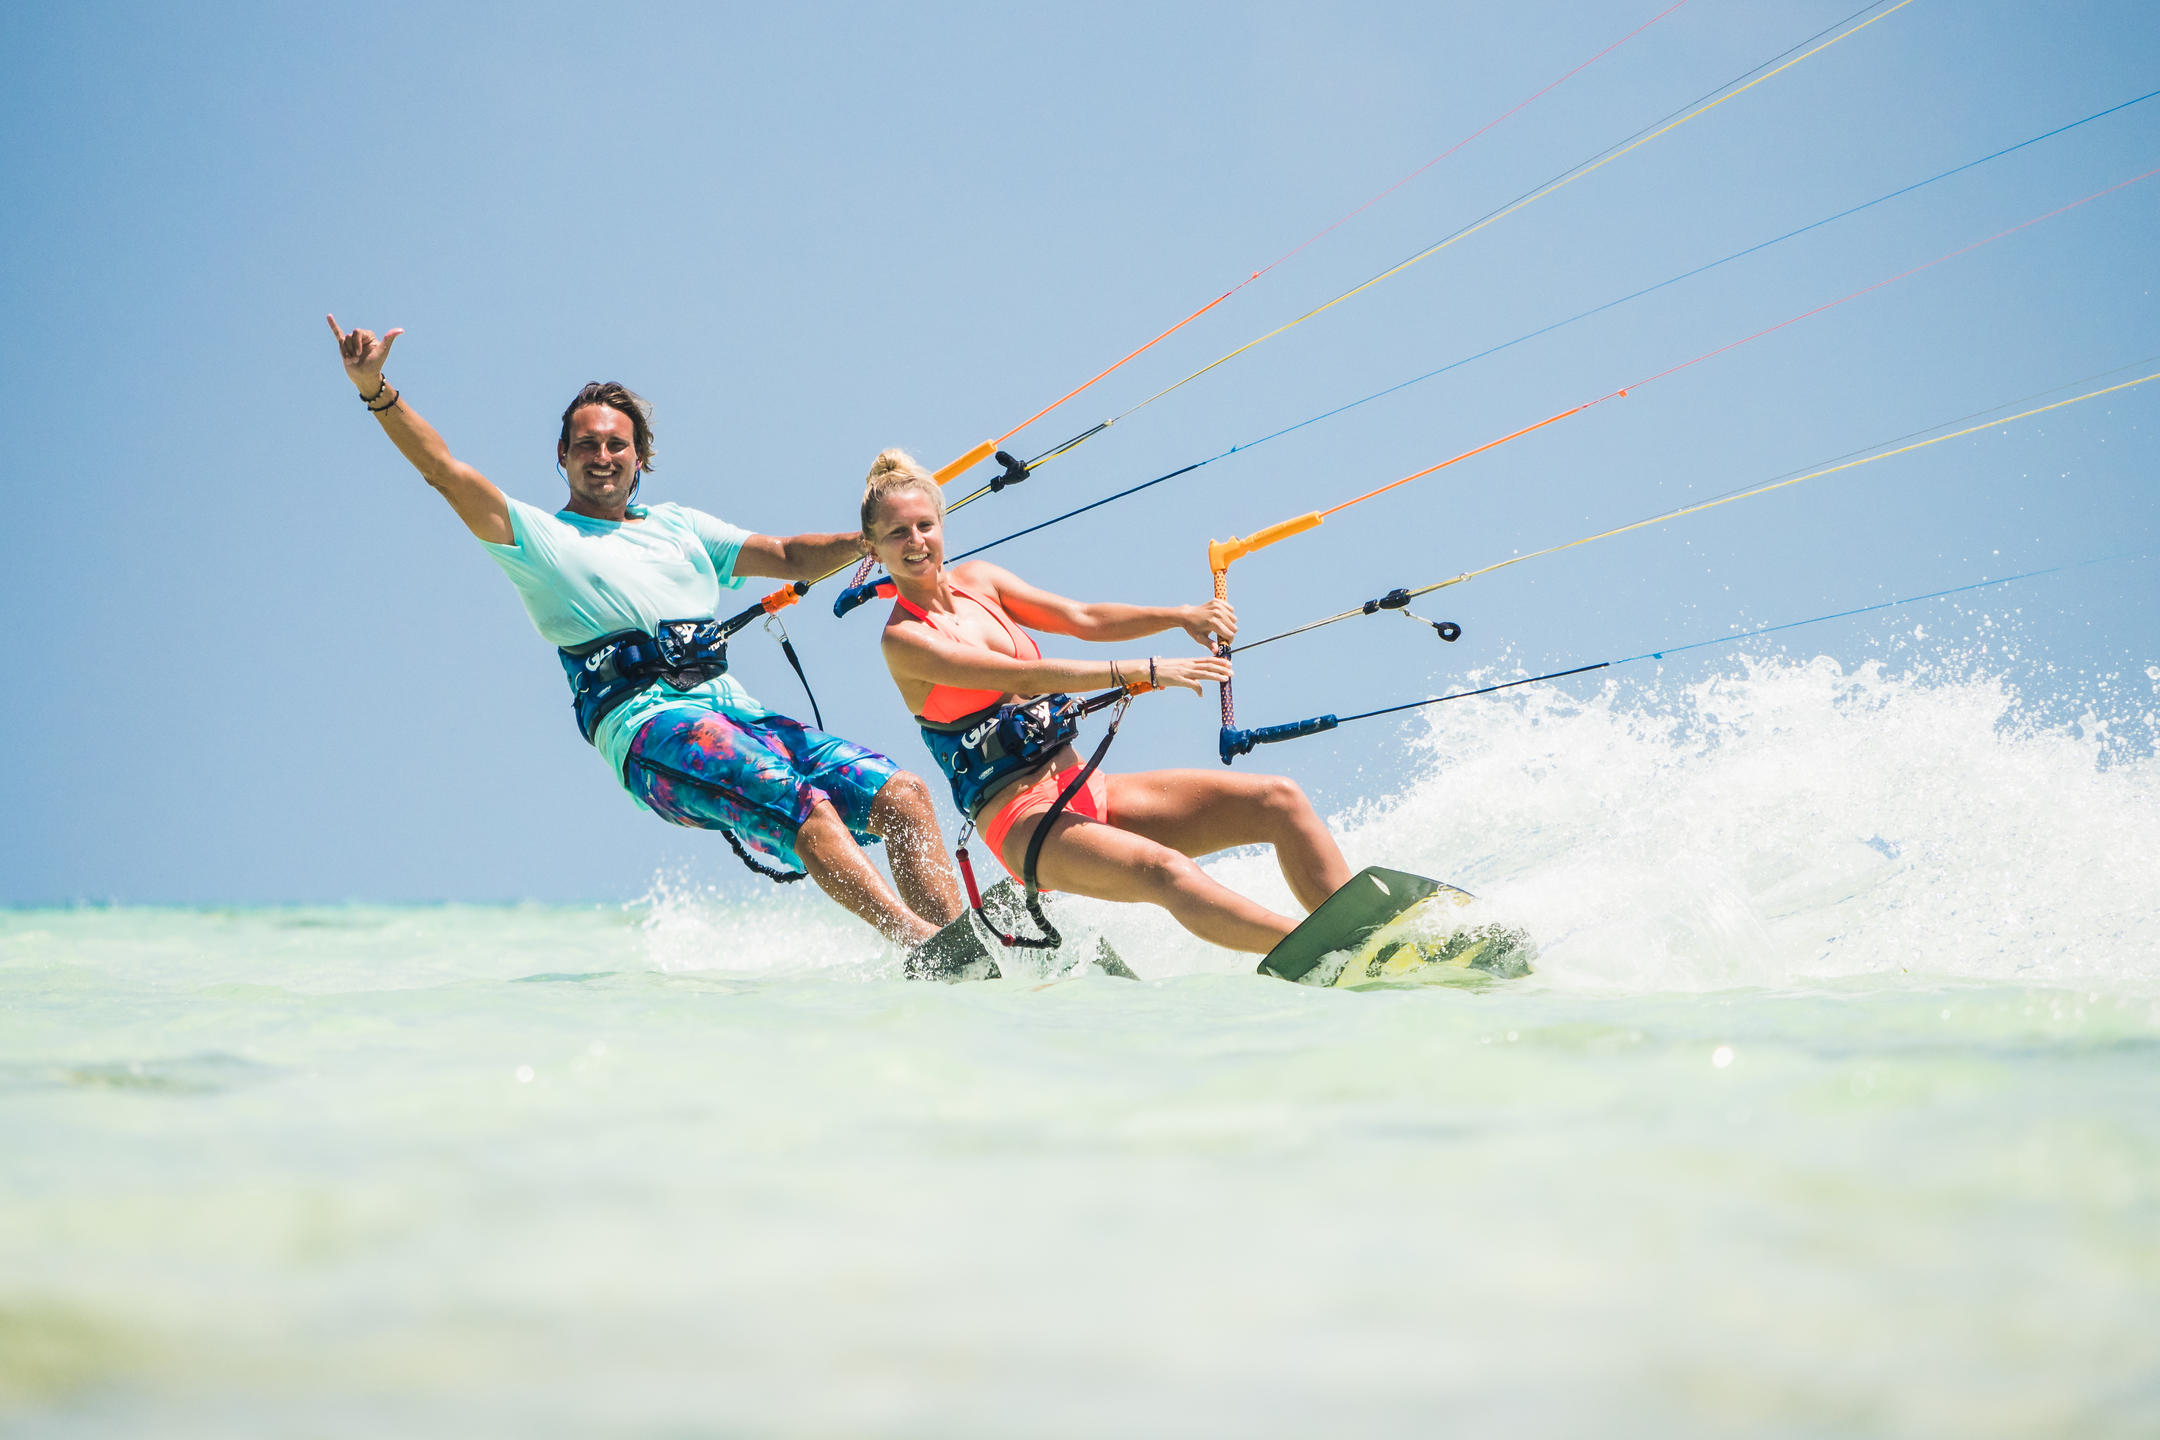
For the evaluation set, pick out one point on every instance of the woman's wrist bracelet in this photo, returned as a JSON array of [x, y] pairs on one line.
[[382, 383], [1151, 672], [395, 397]]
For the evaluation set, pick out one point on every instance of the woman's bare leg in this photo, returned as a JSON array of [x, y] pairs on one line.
[[1107, 863], [1198, 812]]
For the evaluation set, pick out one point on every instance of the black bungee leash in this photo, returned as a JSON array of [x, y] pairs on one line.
[[1050, 938]]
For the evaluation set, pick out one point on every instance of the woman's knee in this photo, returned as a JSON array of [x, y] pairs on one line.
[[1164, 872], [1284, 798]]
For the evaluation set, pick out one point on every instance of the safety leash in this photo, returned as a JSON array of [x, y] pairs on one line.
[[1116, 701], [778, 631]]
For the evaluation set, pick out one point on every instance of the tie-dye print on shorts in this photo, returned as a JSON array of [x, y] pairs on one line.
[[757, 779]]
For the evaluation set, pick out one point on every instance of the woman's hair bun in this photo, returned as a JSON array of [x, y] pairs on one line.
[[892, 472], [888, 461]]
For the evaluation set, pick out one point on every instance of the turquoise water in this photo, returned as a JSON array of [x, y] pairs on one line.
[[1833, 1109]]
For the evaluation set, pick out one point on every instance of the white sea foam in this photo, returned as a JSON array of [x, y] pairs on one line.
[[1784, 818], [1791, 818]]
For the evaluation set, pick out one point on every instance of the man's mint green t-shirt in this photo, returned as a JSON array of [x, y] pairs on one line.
[[584, 579]]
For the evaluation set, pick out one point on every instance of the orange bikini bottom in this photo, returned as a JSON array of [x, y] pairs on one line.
[[1092, 801]]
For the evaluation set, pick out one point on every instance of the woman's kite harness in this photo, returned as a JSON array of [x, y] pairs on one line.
[[980, 752]]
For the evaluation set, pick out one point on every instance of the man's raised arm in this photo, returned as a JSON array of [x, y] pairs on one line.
[[477, 502]]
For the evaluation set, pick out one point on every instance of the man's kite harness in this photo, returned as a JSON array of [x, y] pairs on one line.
[[682, 655]]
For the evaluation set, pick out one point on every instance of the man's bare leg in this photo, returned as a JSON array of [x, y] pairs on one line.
[[832, 858], [905, 817]]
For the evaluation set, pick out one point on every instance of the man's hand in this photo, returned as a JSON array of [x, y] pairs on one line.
[[363, 354], [478, 503]]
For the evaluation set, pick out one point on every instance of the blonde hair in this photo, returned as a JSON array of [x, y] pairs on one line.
[[892, 472]]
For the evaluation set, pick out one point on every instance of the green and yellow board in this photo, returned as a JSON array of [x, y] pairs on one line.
[[1390, 927]]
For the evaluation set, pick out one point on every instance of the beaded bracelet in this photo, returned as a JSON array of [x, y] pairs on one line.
[[395, 397], [382, 383]]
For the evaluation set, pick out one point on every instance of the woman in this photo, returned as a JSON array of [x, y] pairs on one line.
[[956, 649]]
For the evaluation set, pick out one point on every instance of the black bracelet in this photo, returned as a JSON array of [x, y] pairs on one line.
[[1151, 672], [395, 397], [382, 383]]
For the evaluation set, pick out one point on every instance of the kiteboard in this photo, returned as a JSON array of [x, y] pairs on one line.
[[1386, 926], [960, 952]]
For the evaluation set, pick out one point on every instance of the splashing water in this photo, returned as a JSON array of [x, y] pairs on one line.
[[1832, 1109], [1784, 820], [1793, 820]]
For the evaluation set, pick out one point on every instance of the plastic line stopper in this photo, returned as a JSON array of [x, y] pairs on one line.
[[952, 470]]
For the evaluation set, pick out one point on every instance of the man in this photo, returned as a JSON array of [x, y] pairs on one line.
[[618, 587]]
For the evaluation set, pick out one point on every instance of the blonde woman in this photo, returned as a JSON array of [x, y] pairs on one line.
[[958, 647]]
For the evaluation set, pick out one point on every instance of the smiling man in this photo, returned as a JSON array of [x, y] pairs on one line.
[[626, 592]]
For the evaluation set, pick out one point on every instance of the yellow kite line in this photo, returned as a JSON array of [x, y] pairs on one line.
[[1501, 214], [1701, 506]]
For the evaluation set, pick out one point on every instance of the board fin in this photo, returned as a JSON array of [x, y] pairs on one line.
[[959, 952], [955, 953], [1006, 905], [1388, 925]]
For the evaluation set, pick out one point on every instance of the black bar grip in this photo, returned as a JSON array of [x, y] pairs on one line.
[[856, 595], [740, 618], [1233, 742]]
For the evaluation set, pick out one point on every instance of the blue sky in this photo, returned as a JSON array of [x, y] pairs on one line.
[[261, 661]]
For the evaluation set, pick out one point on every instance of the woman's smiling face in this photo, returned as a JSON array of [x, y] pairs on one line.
[[909, 538]]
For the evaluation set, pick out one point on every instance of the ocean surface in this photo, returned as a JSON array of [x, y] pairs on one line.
[[1832, 1109]]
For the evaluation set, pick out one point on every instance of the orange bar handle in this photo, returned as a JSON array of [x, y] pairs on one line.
[[1220, 553]]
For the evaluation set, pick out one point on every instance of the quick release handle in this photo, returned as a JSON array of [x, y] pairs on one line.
[[1234, 742], [785, 596]]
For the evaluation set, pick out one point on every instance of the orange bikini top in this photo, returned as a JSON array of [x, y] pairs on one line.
[[950, 702]]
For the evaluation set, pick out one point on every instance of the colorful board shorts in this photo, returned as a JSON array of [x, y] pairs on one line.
[[757, 779], [1092, 803]]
